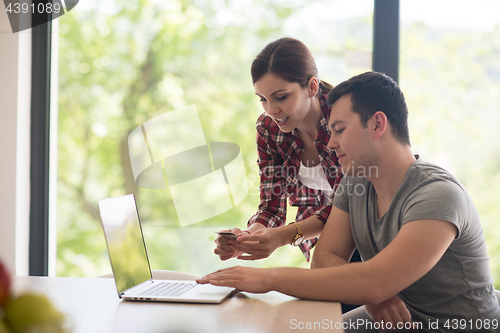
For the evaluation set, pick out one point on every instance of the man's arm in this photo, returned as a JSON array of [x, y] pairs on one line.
[[335, 252], [336, 244], [416, 249]]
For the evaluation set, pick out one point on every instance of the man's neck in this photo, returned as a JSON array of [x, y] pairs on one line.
[[391, 170]]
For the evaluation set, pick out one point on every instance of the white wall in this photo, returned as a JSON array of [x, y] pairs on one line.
[[15, 86]]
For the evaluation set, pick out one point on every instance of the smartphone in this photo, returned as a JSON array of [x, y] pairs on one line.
[[229, 235]]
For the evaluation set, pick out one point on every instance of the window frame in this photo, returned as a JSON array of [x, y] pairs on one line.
[[41, 42], [385, 58]]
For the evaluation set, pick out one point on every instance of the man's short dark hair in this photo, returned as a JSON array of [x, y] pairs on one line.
[[371, 92]]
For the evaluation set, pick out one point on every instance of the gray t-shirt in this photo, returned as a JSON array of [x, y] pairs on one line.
[[460, 285]]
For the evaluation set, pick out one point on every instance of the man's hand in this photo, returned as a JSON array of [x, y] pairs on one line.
[[392, 310], [223, 249], [254, 280]]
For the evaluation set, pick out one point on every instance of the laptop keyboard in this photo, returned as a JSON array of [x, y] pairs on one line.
[[168, 289]]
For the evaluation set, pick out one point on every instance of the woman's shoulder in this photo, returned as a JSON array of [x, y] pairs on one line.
[[325, 112], [265, 124], [322, 96], [264, 120], [269, 133]]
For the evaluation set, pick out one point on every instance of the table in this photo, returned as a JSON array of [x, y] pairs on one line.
[[92, 305]]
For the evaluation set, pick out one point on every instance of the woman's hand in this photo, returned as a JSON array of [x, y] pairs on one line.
[[257, 242], [261, 243], [223, 249], [393, 311], [254, 280]]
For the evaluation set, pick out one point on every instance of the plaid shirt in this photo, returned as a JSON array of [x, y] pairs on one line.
[[279, 156]]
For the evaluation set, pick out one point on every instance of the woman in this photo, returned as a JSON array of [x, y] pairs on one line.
[[293, 160]]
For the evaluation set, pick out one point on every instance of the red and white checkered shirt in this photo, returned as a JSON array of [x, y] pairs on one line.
[[279, 156]]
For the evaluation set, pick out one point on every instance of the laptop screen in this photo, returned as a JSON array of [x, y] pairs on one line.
[[125, 241]]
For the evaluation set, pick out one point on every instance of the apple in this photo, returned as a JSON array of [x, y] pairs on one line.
[[3, 327], [31, 312], [5, 283]]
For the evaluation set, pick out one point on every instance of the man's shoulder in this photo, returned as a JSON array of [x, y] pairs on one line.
[[439, 189], [432, 176], [434, 193]]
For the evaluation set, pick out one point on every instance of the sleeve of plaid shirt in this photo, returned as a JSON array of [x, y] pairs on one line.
[[272, 208], [324, 212]]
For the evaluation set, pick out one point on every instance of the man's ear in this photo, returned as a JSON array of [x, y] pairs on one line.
[[379, 124], [313, 86]]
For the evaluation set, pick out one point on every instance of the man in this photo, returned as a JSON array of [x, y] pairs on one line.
[[425, 263]]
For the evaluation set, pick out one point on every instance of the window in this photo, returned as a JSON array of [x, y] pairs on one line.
[[450, 74], [123, 63]]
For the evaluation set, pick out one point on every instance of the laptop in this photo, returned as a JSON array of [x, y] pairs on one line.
[[130, 263]]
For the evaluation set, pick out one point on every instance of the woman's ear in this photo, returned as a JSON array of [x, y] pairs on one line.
[[313, 86]]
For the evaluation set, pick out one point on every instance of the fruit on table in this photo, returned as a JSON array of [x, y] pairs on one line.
[[3, 327], [5, 282], [33, 312]]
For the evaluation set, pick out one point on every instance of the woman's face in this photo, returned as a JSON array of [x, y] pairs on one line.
[[285, 102]]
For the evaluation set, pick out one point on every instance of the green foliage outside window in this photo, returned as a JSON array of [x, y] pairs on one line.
[[129, 61], [120, 68]]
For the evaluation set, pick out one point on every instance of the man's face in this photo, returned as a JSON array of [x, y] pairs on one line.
[[349, 139]]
